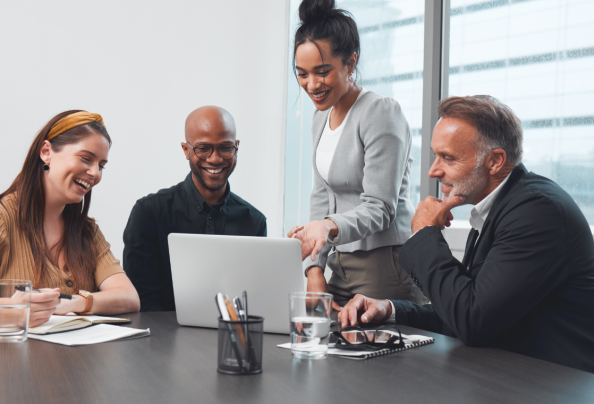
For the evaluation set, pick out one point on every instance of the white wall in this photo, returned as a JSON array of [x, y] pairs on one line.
[[144, 65]]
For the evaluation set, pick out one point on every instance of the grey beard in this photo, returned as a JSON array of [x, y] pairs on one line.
[[470, 185]]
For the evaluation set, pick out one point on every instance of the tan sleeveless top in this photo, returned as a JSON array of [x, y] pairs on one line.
[[16, 257]]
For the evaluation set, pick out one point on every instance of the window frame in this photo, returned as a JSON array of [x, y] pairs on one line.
[[436, 68]]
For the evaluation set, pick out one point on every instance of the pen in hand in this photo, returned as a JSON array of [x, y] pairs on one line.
[[62, 295]]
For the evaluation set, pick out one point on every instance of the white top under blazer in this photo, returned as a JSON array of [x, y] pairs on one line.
[[329, 141]]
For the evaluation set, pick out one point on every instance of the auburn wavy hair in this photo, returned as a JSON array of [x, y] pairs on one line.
[[77, 241]]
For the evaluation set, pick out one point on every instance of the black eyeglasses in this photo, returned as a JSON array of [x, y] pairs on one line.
[[205, 150], [355, 338]]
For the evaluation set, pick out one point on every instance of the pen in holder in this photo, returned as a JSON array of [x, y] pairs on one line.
[[240, 346]]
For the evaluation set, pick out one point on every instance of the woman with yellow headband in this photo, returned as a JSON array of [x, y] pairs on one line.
[[46, 235]]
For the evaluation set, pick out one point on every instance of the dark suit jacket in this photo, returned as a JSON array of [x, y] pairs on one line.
[[530, 288]]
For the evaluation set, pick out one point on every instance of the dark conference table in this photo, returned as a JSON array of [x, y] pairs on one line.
[[178, 365]]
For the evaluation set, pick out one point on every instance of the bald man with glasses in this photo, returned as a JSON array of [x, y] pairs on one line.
[[201, 204]]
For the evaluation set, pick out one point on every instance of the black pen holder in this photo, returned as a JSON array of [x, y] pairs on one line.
[[240, 346]]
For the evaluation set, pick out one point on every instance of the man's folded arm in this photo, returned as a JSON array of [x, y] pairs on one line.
[[142, 257], [521, 268]]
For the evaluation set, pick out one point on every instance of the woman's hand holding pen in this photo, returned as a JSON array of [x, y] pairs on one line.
[[313, 236], [66, 306], [316, 282], [43, 305]]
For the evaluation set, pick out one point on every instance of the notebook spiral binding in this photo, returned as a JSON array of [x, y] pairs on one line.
[[388, 351]]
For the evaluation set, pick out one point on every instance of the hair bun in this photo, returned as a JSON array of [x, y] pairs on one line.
[[315, 10]]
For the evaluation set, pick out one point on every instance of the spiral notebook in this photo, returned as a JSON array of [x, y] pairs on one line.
[[410, 341]]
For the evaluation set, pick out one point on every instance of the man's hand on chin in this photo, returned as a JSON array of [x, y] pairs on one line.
[[435, 212], [364, 308]]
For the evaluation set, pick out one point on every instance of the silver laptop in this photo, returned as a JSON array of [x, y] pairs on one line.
[[203, 265]]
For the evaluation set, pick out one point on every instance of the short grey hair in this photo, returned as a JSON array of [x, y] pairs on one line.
[[498, 126]]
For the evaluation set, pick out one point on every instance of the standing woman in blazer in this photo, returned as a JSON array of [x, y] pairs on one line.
[[360, 204]]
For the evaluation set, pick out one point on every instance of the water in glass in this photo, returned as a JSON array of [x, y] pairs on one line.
[[14, 321]]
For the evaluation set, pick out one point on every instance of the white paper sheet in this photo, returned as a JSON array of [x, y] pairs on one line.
[[95, 334]]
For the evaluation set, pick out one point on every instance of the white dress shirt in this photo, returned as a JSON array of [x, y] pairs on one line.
[[481, 210], [478, 215]]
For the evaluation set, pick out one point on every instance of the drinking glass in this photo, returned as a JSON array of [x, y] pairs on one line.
[[310, 324], [15, 302]]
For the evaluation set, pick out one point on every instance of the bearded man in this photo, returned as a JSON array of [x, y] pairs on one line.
[[526, 283], [201, 204]]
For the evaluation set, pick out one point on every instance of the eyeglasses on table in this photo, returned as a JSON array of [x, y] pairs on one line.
[[355, 338]]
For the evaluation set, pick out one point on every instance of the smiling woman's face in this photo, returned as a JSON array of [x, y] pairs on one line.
[[75, 169], [326, 80]]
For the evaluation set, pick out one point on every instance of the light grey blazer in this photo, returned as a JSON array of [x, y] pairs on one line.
[[367, 193]]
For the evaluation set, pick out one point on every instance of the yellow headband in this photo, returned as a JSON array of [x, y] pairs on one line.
[[73, 120]]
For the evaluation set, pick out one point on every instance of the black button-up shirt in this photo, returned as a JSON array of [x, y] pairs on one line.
[[179, 209]]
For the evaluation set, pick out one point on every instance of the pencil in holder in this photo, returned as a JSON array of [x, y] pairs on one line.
[[240, 346]]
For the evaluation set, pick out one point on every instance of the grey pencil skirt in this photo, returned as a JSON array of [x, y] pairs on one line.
[[374, 273]]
